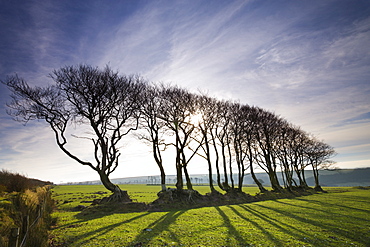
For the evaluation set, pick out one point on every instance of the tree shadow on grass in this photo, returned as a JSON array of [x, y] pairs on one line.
[[232, 231], [320, 210], [326, 204], [155, 229], [288, 229], [317, 223], [104, 230], [95, 212]]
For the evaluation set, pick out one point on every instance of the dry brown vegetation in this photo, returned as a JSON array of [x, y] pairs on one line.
[[25, 204], [15, 182]]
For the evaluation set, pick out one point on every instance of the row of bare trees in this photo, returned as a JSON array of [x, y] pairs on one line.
[[231, 137], [102, 107]]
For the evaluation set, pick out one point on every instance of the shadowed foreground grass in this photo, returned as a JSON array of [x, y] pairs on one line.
[[338, 218]]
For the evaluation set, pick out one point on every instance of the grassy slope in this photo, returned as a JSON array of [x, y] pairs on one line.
[[338, 218]]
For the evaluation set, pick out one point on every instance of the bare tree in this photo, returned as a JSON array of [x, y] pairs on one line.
[[155, 127], [178, 107], [221, 138], [249, 130], [237, 130], [100, 101], [318, 155], [208, 121], [266, 136], [299, 140]]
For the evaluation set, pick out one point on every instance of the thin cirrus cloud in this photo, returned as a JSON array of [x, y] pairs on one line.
[[307, 61]]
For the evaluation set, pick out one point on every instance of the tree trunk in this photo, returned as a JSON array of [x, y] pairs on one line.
[[216, 161], [106, 182], [118, 194], [209, 162], [225, 186], [163, 178], [274, 180], [284, 176], [259, 184], [219, 177], [297, 171], [230, 167], [241, 179], [189, 185], [210, 176], [158, 159], [305, 185], [316, 176], [179, 182], [271, 171]]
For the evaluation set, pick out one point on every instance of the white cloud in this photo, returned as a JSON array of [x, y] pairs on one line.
[[353, 164], [270, 56]]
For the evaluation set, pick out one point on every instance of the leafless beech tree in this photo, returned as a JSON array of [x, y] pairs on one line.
[[206, 110], [299, 140], [287, 154], [155, 127], [266, 136], [237, 136], [100, 101], [318, 155], [249, 132], [222, 139], [177, 108], [107, 107]]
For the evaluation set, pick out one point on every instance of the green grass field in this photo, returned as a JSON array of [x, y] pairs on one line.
[[338, 218]]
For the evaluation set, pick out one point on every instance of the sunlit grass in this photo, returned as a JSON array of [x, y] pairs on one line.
[[338, 218]]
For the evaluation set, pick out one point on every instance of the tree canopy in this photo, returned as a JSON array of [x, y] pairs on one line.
[[232, 137]]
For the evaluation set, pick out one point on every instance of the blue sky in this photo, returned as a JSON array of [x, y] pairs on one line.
[[308, 61]]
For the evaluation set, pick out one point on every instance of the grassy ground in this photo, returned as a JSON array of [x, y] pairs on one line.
[[338, 218]]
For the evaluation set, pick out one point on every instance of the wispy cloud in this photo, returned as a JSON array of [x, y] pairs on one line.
[[307, 61]]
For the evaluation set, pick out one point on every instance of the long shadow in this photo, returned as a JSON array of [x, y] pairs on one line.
[[332, 204], [320, 210], [90, 214], [299, 234], [326, 226], [157, 227], [232, 232], [104, 230], [255, 224]]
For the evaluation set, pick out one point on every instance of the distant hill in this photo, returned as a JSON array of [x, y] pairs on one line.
[[344, 177], [10, 182], [329, 178]]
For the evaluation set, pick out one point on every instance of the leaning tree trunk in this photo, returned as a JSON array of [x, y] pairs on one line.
[[274, 180], [189, 185], [118, 194], [179, 182], [230, 168], [209, 164], [163, 179], [299, 175], [158, 160], [305, 185], [255, 179], [316, 176]]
